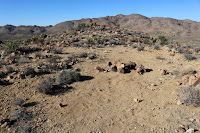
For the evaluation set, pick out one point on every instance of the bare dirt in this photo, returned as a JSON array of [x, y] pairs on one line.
[[107, 101]]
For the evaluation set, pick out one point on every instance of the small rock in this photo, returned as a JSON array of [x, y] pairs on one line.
[[153, 85], [179, 102], [4, 124], [178, 83], [191, 130], [136, 100], [181, 129], [163, 72], [100, 69]]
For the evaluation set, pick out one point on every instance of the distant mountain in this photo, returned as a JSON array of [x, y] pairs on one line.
[[186, 31]]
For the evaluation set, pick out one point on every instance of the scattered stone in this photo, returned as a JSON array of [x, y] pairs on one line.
[[100, 69], [4, 125], [163, 72], [153, 85], [136, 100], [140, 69], [179, 102], [178, 83], [114, 69], [191, 130]]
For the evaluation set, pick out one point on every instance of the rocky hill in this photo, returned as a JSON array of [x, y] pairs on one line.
[[185, 31]]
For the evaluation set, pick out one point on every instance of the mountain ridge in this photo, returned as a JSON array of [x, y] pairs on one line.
[[183, 30]]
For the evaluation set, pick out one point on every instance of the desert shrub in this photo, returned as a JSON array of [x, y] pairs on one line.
[[160, 58], [156, 47], [22, 114], [92, 56], [118, 25], [191, 96], [12, 46], [46, 86], [90, 41], [24, 129], [43, 35], [8, 69], [164, 41], [73, 33], [189, 57], [93, 24], [197, 49], [18, 101], [28, 71], [134, 38], [146, 41], [140, 48], [134, 46], [56, 50], [181, 50], [187, 71], [67, 77], [170, 46], [83, 55]]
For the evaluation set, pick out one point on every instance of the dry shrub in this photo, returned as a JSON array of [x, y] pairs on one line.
[[187, 71], [46, 86], [191, 96], [67, 76], [189, 57], [140, 48]]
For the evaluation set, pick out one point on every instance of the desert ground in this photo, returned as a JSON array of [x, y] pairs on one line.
[[105, 102]]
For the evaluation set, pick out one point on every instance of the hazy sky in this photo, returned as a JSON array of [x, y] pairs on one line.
[[51, 12]]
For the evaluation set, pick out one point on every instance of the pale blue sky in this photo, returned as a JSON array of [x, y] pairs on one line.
[[51, 12]]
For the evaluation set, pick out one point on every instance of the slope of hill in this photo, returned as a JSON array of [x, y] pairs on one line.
[[186, 31]]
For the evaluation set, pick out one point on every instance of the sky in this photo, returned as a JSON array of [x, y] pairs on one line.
[[51, 12]]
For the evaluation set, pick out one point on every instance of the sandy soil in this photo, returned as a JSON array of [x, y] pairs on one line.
[[104, 102]]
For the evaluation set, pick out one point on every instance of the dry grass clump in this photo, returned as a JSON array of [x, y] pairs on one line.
[[67, 76], [46, 86], [189, 57], [191, 96], [187, 71], [140, 48]]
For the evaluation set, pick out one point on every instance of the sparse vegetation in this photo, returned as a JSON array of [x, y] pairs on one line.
[[140, 48], [46, 86], [191, 96], [67, 76], [164, 41], [189, 57], [12, 45]]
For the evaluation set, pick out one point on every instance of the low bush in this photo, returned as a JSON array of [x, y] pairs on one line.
[[22, 114], [18, 101], [46, 86], [189, 57], [140, 48], [156, 47], [28, 71], [191, 96], [67, 76]]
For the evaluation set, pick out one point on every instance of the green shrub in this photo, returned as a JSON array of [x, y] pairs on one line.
[[12, 46], [43, 35], [118, 25], [164, 41], [90, 40], [73, 33]]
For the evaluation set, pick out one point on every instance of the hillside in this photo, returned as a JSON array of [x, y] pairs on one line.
[[185, 31]]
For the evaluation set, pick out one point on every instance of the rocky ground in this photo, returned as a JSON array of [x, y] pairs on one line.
[[139, 99]]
